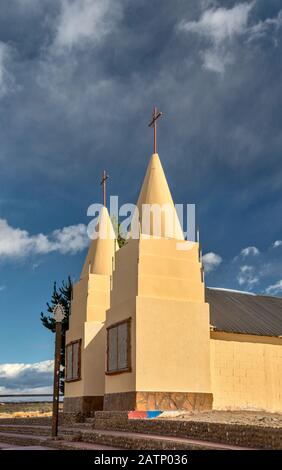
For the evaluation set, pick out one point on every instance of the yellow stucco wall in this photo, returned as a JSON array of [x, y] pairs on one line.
[[164, 271], [172, 346], [125, 275], [93, 364], [246, 371], [93, 344], [161, 289]]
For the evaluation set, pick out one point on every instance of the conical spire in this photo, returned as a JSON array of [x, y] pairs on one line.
[[102, 249], [155, 192]]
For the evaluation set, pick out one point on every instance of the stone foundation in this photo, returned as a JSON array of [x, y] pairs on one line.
[[142, 401], [263, 436], [83, 406]]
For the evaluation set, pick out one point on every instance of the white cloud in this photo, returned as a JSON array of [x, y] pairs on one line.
[[219, 26], [85, 21], [18, 243], [2, 288], [274, 289], [26, 378], [211, 261], [249, 251], [252, 267], [247, 276], [70, 239]]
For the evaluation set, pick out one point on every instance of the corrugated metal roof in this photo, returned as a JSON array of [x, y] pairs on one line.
[[236, 312]]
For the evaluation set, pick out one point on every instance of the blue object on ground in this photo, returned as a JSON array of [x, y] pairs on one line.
[[153, 414]]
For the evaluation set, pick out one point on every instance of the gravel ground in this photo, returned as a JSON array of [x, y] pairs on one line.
[[26, 409], [258, 418]]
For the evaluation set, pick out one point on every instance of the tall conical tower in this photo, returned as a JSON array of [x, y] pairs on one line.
[[158, 322], [155, 192], [86, 337]]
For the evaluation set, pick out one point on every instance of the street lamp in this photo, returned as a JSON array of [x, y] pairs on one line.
[[59, 315]]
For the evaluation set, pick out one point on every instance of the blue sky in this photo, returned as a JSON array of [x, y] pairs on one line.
[[78, 80]]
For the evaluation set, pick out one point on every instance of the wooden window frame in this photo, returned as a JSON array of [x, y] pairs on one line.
[[79, 361], [128, 368]]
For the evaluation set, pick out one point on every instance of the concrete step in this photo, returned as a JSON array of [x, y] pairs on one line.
[[22, 439], [35, 430], [19, 441], [31, 430], [70, 445]]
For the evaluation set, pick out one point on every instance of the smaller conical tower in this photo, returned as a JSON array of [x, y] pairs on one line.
[[102, 249], [86, 337]]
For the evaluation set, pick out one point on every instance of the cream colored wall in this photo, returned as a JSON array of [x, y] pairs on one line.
[[93, 346], [246, 371], [124, 278], [91, 298], [170, 321], [164, 271], [123, 306], [93, 367], [98, 297], [78, 305], [172, 346]]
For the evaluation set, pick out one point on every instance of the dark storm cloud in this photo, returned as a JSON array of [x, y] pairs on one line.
[[81, 95]]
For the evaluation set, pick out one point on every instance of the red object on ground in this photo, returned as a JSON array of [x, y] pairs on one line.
[[137, 414]]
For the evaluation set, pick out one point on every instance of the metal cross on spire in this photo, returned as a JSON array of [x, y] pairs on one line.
[[103, 183], [156, 115]]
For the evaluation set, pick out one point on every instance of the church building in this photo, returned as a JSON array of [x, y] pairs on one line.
[[146, 334]]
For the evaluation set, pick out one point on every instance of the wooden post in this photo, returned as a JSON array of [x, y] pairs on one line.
[[56, 385]]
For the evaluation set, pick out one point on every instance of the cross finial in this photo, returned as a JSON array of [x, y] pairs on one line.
[[156, 115], [103, 183]]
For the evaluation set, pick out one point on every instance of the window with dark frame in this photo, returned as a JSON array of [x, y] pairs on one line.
[[73, 361], [119, 347]]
